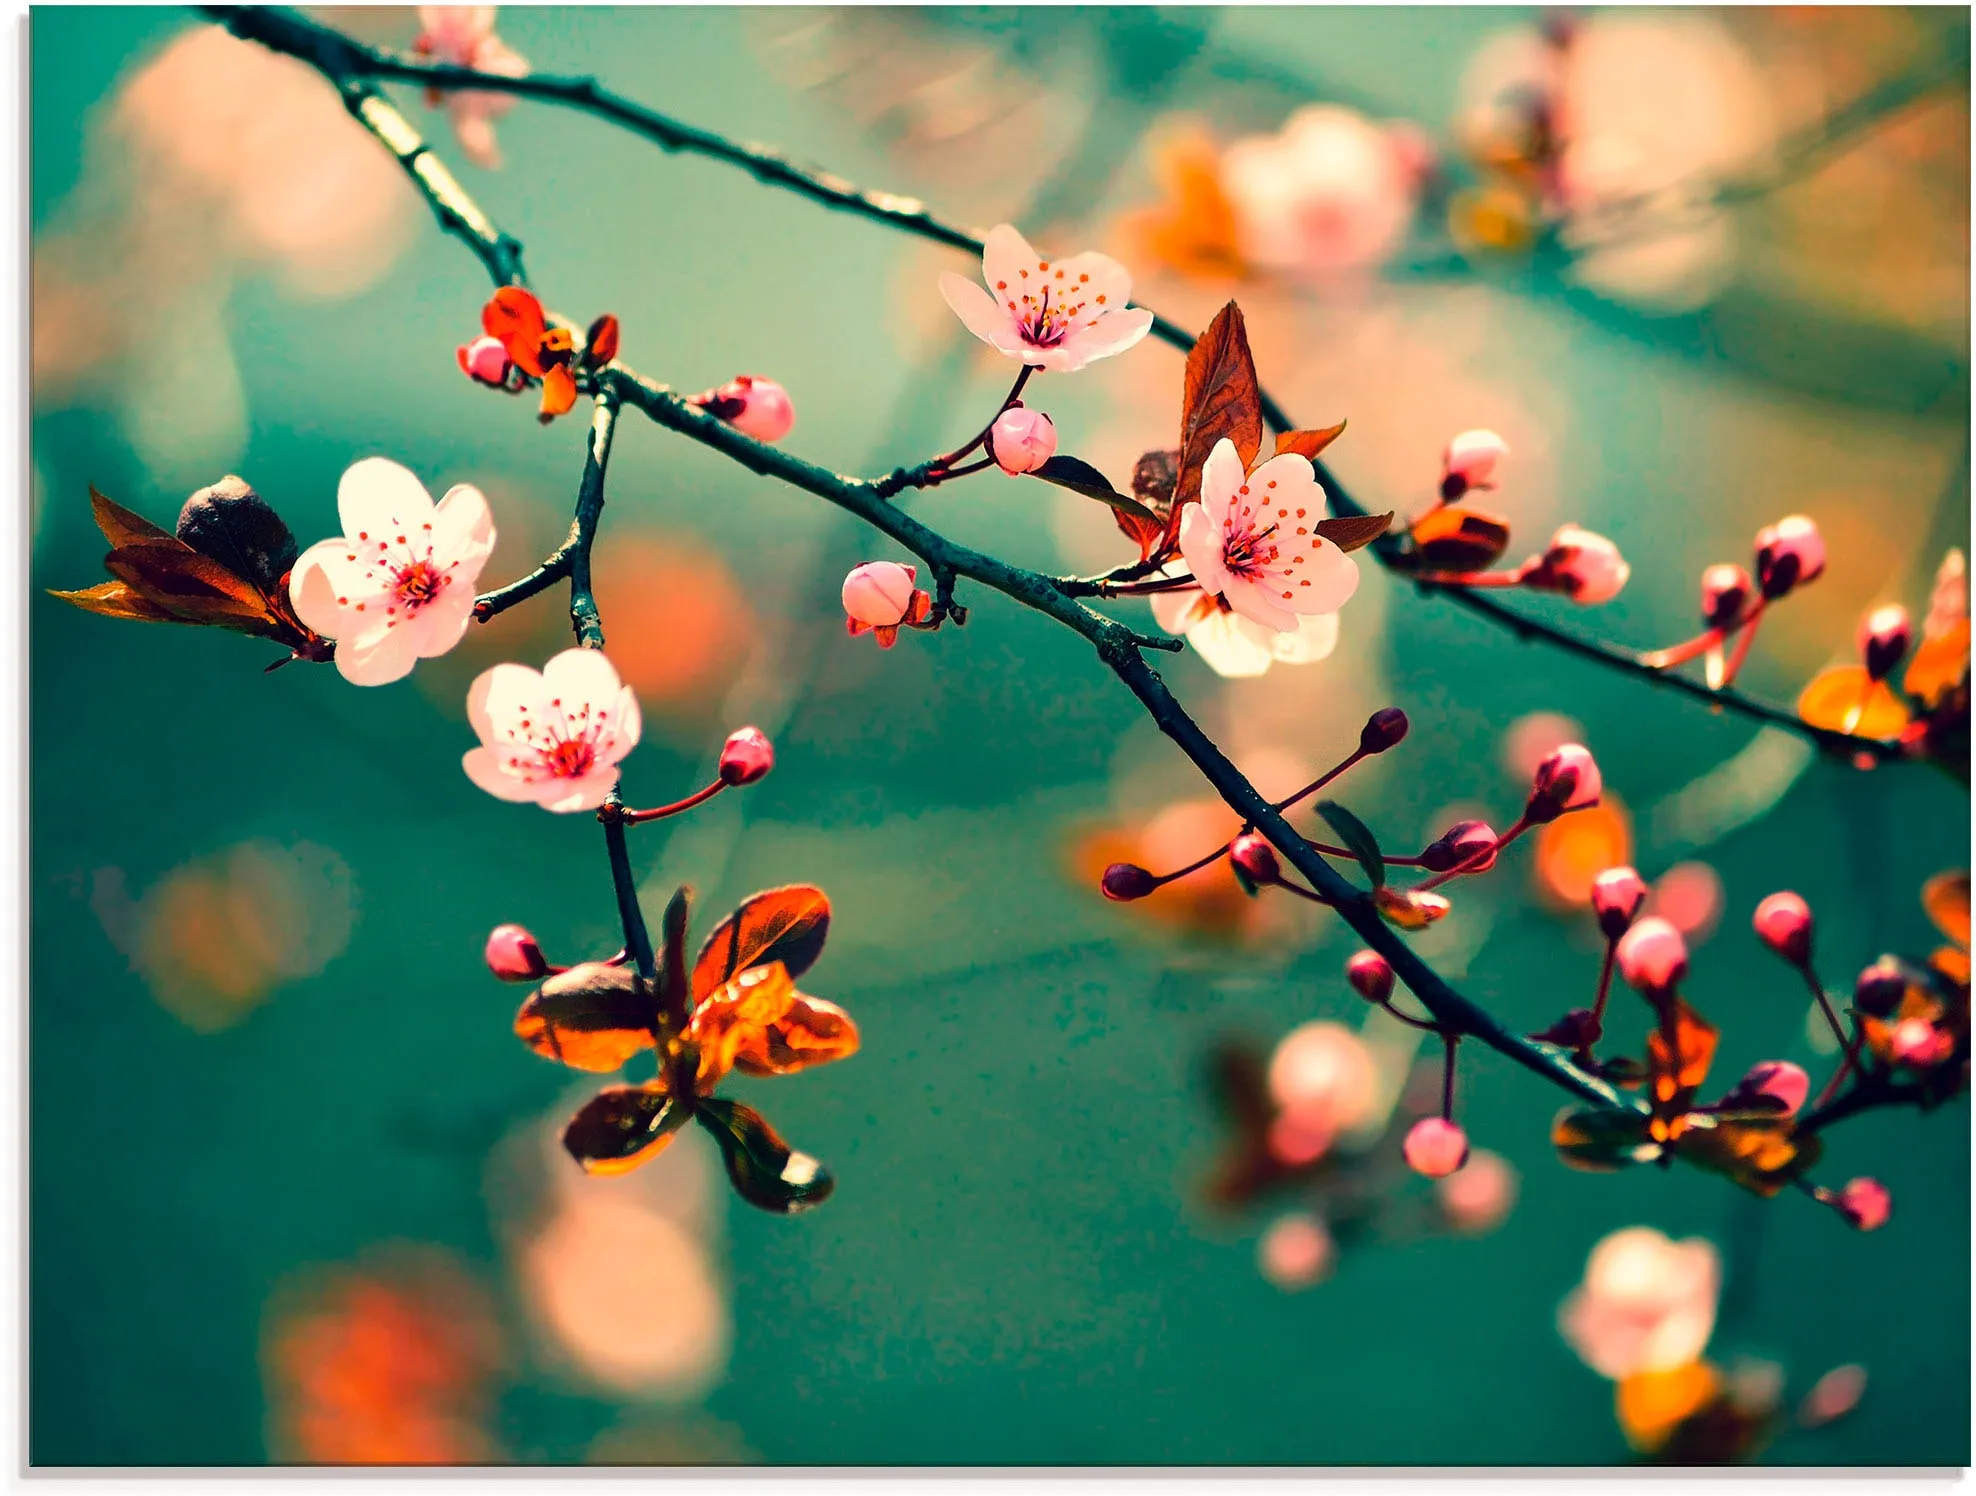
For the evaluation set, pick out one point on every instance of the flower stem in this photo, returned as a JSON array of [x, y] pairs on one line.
[[1605, 982], [1741, 652], [659, 813], [637, 939], [944, 466], [1449, 1038]]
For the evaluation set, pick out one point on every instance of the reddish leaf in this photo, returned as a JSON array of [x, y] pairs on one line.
[[515, 317], [120, 526], [592, 1017], [1759, 1152], [558, 392], [1945, 898], [778, 924], [1148, 534], [193, 587], [1221, 399], [1350, 532], [1455, 537], [766, 1171], [600, 343], [761, 1024], [1675, 1073], [1846, 699], [1308, 443], [118, 600], [622, 1127], [1939, 665]]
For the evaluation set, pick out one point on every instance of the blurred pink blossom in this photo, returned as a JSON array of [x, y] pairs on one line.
[[1332, 191], [463, 35], [1646, 1303], [1296, 1251], [1478, 1198]]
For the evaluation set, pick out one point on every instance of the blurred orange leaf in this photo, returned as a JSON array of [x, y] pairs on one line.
[[1457, 537], [1939, 665], [1846, 699]]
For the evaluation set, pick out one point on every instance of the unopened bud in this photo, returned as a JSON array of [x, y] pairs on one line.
[[746, 756], [1371, 976], [1652, 955], [1783, 922], [1021, 440], [1866, 1203], [1788, 554], [1461, 842], [752, 405], [1585, 567], [1382, 730], [485, 361], [879, 594], [1125, 881], [1726, 591], [1884, 637], [1435, 1147], [1256, 858], [1470, 462], [1880, 988], [513, 955], [1568, 779], [1617, 894], [1784, 1084]]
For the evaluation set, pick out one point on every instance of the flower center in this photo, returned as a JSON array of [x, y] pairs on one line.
[[418, 584], [1248, 552], [571, 758]]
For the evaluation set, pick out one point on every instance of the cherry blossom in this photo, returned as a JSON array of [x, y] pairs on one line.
[[1333, 191], [1646, 1303], [1296, 1251], [1052, 314], [1235, 647], [1253, 541], [397, 586], [752, 405], [1022, 440], [1325, 1082], [463, 35], [554, 737]]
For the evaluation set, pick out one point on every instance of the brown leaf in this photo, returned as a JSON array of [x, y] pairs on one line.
[[1349, 532], [1675, 1074], [193, 587], [118, 600], [765, 1170], [591, 1017], [1455, 537], [1221, 399], [622, 1127], [121, 527], [1148, 536], [1308, 443], [777, 924], [600, 343], [760, 1024]]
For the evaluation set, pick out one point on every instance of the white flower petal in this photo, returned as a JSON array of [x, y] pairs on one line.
[[312, 590], [1313, 639], [586, 793], [1258, 601], [1201, 548], [484, 768], [1005, 254], [1222, 476], [441, 623], [1109, 335], [501, 697], [378, 657], [979, 312], [580, 676], [378, 498], [1227, 642], [463, 531]]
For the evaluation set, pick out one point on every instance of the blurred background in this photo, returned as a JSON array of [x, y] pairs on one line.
[[1700, 269]]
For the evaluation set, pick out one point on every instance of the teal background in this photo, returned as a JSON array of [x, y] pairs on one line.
[[1011, 1270]]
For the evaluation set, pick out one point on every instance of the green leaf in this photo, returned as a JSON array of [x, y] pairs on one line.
[[766, 1171], [1081, 477], [1359, 841]]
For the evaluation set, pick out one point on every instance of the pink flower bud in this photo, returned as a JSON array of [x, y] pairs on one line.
[[1470, 462], [1617, 894], [1788, 554], [1125, 881], [513, 955], [1880, 987], [1459, 843], [1586, 568], [1021, 440], [1435, 1147], [1652, 955], [1296, 1252], [1884, 636], [1478, 1198], [1567, 779], [1370, 976], [1382, 730], [752, 405], [1833, 1395], [746, 756], [485, 361], [1918, 1043], [1726, 590], [1780, 1080], [879, 594], [1252, 853], [1866, 1203], [1783, 922]]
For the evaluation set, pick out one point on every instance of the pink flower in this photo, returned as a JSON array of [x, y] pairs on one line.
[[554, 737], [463, 35], [746, 756], [1022, 440], [1884, 637], [1783, 922], [1586, 568], [1617, 894], [1652, 955], [1296, 1252], [1235, 647], [514, 956], [1331, 192], [752, 405], [397, 586], [1253, 540], [1470, 462], [1479, 1197], [1054, 314], [485, 360], [1567, 779], [1435, 1147], [1917, 1042], [1866, 1203], [1646, 1303], [1788, 554], [1779, 1080]]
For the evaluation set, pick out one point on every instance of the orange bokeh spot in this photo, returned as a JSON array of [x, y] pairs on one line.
[[1652, 1404], [681, 626], [386, 1364], [1575, 848]]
